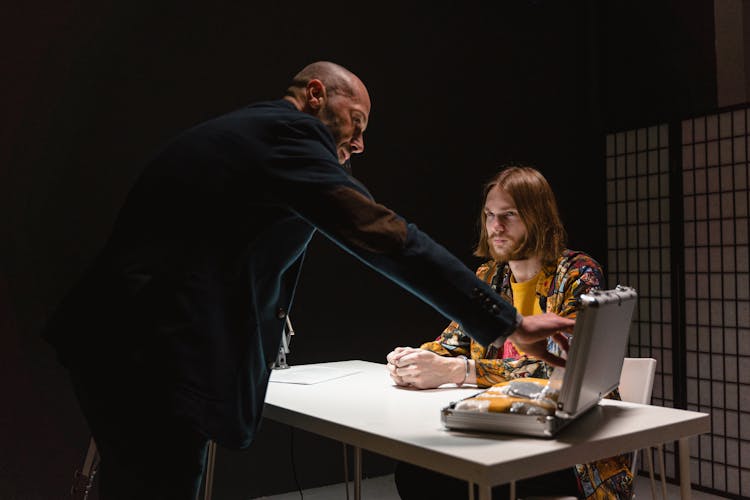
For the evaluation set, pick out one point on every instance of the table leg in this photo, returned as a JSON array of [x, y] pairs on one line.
[[471, 490], [512, 488], [346, 469], [650, 461], [684, 469], [357, 473], [485, 492], [662, 470]]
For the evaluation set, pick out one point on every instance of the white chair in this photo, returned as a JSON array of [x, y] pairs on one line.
[[636, 384]]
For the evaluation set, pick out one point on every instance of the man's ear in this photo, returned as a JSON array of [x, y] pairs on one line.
[[315, 93]]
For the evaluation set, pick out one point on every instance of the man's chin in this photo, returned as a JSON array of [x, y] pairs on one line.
[[507, 256]]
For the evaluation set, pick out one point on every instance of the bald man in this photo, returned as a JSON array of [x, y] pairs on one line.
[[170, 336]]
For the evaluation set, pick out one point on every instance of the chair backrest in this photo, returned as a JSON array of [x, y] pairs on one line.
[[637, 379], [636, 384]]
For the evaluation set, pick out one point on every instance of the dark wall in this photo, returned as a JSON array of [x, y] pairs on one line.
[[658, 61], [92, 88]]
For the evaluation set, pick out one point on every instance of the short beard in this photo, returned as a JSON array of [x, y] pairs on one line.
[[508, 255]]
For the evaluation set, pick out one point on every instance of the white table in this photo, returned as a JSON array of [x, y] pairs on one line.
[[367, 411]]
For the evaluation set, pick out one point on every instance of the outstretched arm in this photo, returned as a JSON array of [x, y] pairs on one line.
[[303, 173]]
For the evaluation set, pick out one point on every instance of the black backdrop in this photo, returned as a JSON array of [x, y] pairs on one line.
[[91, 88]]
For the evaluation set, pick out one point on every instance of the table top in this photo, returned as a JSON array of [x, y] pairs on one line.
[[367, 410]]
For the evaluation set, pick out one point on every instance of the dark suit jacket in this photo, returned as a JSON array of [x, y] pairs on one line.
[[199, 272]]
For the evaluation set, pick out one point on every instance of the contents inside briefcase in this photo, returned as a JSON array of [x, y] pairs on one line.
[[540, 407]]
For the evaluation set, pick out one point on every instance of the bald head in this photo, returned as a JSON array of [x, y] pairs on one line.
[[337, 79], [338, 98]]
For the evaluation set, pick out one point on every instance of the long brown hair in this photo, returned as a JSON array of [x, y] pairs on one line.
[[537, 208]]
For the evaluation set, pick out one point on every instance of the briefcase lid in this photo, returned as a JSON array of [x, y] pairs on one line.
[[597, 350]]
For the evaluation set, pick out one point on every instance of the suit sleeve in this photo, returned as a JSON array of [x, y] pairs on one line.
[[303, 172]]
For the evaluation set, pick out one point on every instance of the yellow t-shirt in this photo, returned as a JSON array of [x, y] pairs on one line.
[[524, 298]]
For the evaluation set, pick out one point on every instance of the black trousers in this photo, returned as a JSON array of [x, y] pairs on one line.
[[146, 451], [416, 483]]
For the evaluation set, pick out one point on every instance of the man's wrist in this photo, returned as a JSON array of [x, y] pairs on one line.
[[465, 368], [512, 329], [518, 322]]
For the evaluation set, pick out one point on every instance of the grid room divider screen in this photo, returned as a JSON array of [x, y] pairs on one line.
[[677, 231]]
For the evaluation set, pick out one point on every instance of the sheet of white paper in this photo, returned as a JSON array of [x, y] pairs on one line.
[[308, 375]]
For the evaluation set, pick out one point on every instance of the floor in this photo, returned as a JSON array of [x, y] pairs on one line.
[[383, 488]]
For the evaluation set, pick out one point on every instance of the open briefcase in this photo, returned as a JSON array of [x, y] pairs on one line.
[[593, 370]]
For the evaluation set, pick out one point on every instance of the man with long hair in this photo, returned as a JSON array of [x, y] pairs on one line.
[[524, 239]]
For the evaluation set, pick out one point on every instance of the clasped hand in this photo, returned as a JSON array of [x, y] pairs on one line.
[[413, 367]]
